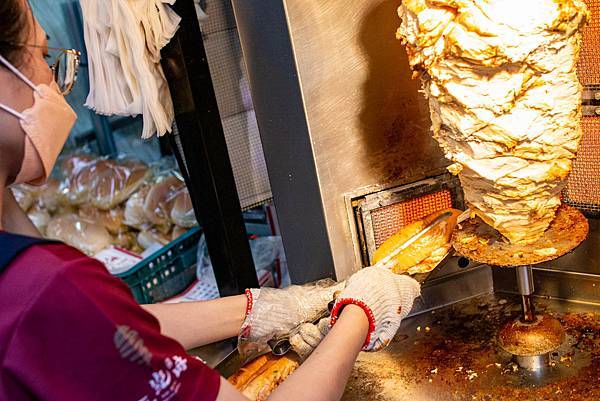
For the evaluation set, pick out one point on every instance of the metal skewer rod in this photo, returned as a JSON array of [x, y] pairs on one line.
[[526, 288]]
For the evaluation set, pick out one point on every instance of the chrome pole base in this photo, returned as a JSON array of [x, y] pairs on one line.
[[534, 363]]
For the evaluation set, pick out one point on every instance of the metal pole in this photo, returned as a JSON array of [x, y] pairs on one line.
[[526, 289]]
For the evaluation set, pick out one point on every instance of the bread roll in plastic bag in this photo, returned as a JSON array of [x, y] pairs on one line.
[[134, 209], [425, 253], [79, 173], [160, 200], [182, 213], [49, 195], [24, 195], [70, 165], [151, 236], [39, 217], [88, 237], [178, 232], [103, 183], [127, 240], [118, 181], [111, 219]]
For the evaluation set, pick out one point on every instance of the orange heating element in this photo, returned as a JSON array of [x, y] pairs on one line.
[[583, 185], [588, 68], [390, 219]]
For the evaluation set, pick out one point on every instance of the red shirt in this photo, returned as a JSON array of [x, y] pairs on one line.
[[69, 331]]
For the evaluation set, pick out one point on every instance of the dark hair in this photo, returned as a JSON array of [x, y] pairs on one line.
[[14, 29]]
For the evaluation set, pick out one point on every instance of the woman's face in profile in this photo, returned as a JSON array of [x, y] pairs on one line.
[[17, 95]]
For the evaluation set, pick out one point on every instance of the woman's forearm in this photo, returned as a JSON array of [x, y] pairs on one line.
[[328, 368], [198, 323], [323, 376]]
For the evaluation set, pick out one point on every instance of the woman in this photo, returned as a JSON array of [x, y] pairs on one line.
[[71, 331]]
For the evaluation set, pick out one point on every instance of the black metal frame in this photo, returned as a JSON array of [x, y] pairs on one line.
[[198, 142]]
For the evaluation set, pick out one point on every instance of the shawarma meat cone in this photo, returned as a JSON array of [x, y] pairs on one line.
[[505, 101]]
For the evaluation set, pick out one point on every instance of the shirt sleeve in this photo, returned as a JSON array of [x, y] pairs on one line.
[[85, 338]]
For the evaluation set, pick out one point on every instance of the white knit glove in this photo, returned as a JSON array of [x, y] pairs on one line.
[[385, 297], [273, 313], [308, 336]]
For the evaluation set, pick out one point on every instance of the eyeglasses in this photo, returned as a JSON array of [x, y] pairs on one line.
[[65, 68]]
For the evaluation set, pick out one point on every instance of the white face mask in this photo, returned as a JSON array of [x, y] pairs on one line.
[[47, 125]]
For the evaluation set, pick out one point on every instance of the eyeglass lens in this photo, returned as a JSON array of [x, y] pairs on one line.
[[65, 71]]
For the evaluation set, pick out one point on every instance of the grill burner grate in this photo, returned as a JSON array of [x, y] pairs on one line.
[[388, 220], [383, 212], [583, 185], [588, 68]]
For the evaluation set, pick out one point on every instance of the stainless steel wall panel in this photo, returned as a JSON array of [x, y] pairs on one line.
[[333, 73]]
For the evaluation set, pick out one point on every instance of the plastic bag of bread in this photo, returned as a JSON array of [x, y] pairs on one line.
[[127, 240], [259, 378], [134, 209], [87, 236], [117, 181], [64, 209], [111, 219], [178, 232], [49, 195], [102, 182], [160, 199], [71, 164], [24, 195], [182, 213], [425, 253], [78, 173], [39, 217], [149, 237]]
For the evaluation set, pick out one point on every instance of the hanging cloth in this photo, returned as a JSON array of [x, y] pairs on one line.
[[123, 39]]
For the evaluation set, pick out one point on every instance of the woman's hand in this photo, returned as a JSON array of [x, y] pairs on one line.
[[308, 336], [273, 313], [385, 297], [402, 289]]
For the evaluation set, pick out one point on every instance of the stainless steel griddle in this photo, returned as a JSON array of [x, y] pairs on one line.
[[452, 354]]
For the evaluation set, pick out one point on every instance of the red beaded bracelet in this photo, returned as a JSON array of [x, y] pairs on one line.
[[249, 302], [337, 310]]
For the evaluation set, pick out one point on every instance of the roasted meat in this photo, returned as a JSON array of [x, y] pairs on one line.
[[505, 101]]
